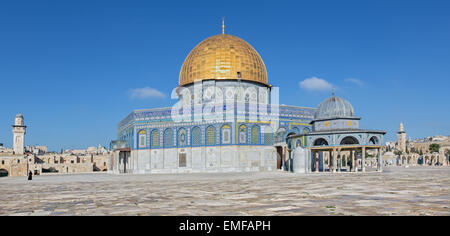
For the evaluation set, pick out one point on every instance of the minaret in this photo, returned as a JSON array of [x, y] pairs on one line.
[[19, 130], [401, 138]]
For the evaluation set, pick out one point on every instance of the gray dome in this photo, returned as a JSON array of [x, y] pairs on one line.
[[334, 107]]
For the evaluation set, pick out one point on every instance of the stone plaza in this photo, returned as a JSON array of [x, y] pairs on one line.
[[396, 191]]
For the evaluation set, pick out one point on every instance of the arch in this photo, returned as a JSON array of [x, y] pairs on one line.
[[320, 142], [168, 138], [290, 134], [255, 134], [225, 134], [155, 138], [210, 135], [289, 143], [296, 130], [279, 135], [243, 134], [251, 95], [181, 137], [268, 138], [142, 138], [196, 136], [298, 143], [349, 140], [420, 161], [374, 140], [3, 173]]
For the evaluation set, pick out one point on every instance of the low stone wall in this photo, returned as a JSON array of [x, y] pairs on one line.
[[69, 168]]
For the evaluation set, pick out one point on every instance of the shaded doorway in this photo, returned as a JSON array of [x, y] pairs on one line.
[[3, 173], [279, 156], [124, 156]]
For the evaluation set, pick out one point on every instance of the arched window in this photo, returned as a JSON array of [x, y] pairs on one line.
[[296, 130], [181, 137], [268, 138], [168, 138], [373, 140], [196, 136], [320, 142], [255, 134], [242, 134], [155, 138], [298, 143], [226, 134], [349, 140], [142, 136], [210, 135]]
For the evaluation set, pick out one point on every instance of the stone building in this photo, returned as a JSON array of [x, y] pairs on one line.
[[18, 163], [417, 152]]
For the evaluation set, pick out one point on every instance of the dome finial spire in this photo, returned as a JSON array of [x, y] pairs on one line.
[[332, 91], [223, 25]]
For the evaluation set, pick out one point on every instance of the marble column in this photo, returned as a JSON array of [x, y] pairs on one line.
[[339, 160], [352, 153], [363, 160], [380, 161], [310, 161], [334, 160], [317, 162], [330, 165]]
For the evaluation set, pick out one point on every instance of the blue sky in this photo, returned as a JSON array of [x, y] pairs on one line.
[[69, 66]]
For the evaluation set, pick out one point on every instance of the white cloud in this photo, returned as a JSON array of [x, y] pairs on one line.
[[355, 81], [316, 84], [147, 92]]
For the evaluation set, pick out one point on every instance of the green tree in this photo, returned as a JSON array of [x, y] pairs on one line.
[[434, 147]]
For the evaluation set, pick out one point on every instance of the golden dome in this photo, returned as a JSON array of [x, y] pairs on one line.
[[221, 57]]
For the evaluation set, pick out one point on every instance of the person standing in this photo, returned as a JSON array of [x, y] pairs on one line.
[[30, 175]]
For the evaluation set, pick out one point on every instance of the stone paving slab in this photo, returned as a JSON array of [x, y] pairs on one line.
[[396, 191]]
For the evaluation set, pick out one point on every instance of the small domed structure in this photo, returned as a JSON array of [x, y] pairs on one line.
[[334, 107]]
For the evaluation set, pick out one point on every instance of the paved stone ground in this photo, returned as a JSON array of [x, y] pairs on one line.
[[397, 191]]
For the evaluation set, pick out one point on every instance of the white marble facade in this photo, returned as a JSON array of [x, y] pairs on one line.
[[197, 159]]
